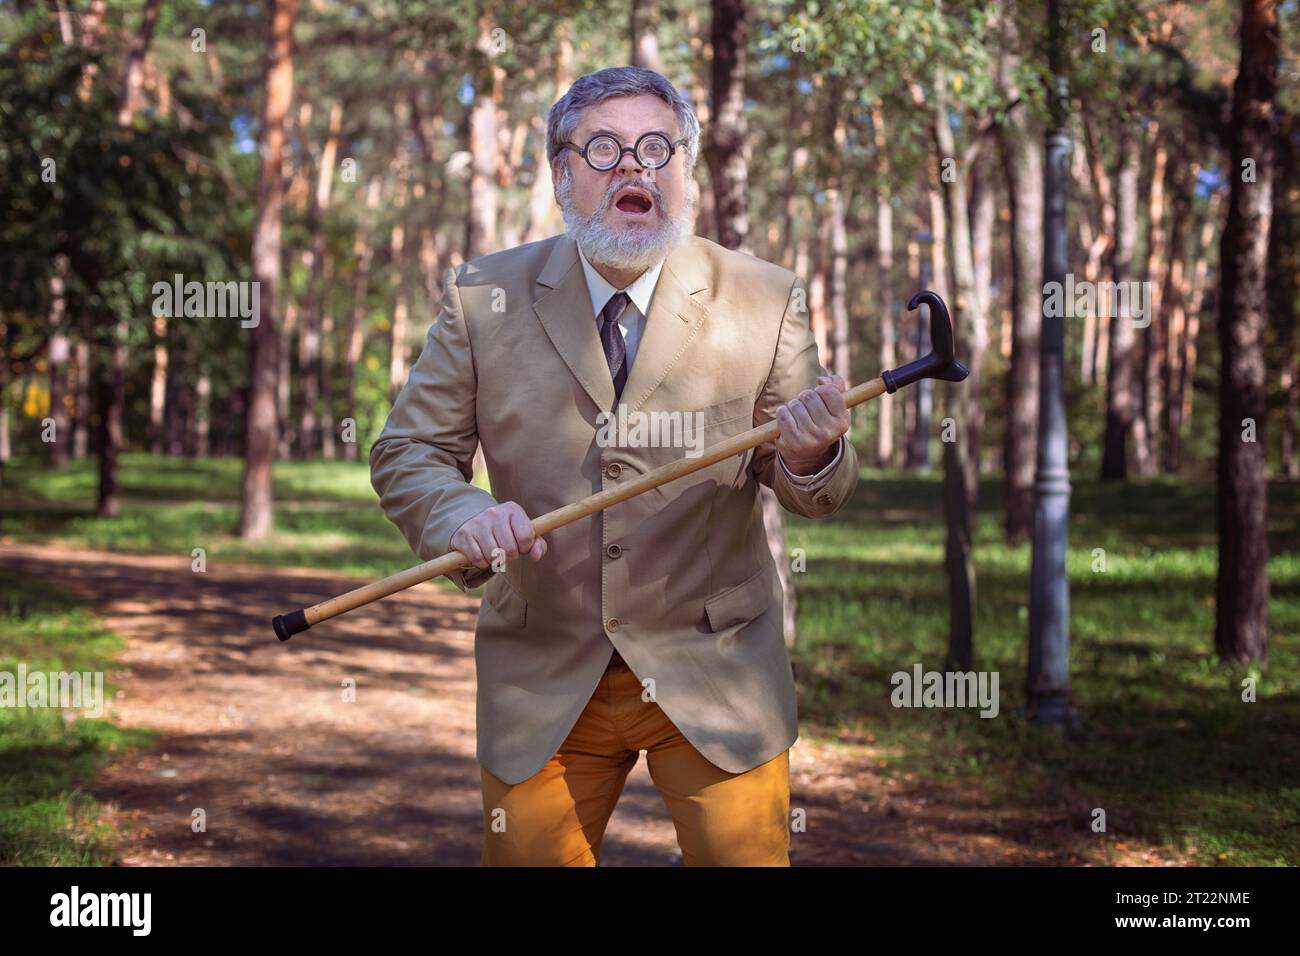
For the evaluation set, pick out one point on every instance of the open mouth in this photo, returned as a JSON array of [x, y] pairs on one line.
[[634, 203]]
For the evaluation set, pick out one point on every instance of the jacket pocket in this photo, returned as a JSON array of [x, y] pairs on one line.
[[739, 604], [720, 422], [506, 601], [740, 407]]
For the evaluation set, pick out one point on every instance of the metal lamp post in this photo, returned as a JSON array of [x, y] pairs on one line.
[[1048, 700]]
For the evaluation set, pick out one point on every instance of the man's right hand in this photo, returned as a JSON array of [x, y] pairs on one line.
[[503, 526]]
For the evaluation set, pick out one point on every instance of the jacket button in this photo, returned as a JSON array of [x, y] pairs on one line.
[[614, 550], [613, 469], [612, 624]]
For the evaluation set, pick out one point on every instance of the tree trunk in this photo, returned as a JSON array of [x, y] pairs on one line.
[[1289, 385], [1023, 164], [542, 213], [112, 437], [705, 215], [261, 434], [112, 389], [961, 455], [65, 22], [309, 341], [81, 425], [129, 101], [728, 146], [906, 344], [57, 450], [363, 252], [645, 43], [1097, 229], [1241, 614], [1187, 365], [6, 448], [202, 418], [158, 385], [783, 247], [728, 159], [936, 278], [326, 367], [838, 261], [1122, 418], [1284, 285], [818, 316], [92, 28], [397, 282], [178, 397], [884, 284], [982, 212], [296, 196], [1153, 334], [1022, 158], [484, 148], [1174, 298]]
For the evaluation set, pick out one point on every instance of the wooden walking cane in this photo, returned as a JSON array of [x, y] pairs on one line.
[[939, 364]]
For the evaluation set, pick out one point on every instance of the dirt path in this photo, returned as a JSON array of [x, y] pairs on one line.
[[257, 734]]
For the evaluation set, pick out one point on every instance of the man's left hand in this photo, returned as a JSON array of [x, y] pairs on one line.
[[811, 425]]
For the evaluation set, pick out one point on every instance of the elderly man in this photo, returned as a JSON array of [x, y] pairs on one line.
[[656, 624]]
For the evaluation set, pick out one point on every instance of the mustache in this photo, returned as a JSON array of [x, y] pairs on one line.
[[645, 184]]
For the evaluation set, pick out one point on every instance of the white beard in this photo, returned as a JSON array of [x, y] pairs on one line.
[[639, 247]]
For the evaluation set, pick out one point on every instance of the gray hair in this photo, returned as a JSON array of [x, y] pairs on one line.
[[594, 88]]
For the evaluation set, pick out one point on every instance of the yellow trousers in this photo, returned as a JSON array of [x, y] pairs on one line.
[[557, 817]]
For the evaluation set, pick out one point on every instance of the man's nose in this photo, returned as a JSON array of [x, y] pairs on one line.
[[629, 163]]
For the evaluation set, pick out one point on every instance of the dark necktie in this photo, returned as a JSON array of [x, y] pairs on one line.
[[611, 339]]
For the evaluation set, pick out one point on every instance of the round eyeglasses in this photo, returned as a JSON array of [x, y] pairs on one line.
[[603, 152]]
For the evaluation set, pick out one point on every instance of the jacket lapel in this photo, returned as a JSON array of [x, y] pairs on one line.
[[565, 311], [675, 318]]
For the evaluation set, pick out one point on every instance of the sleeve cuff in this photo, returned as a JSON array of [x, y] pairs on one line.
[[813, 482], [477, 577]]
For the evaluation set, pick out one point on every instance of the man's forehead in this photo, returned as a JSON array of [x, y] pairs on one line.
[[629, 117]]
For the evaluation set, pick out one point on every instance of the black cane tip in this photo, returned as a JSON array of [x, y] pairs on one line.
[[287, 625]]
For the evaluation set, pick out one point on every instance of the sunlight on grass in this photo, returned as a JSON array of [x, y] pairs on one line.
[[1163, 721]]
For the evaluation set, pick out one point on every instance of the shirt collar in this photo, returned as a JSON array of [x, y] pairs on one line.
[[639, 291]]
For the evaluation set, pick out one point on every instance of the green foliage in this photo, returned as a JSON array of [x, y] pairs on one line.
[[47, 817], [127, 207], [123, 199]]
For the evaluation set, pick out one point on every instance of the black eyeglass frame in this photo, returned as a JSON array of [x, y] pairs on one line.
[[634, 149]]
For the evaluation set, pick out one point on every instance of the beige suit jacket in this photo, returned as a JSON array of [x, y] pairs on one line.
[[679, 579]]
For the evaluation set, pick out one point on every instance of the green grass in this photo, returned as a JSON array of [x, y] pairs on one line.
[[1167, 748], [327, 516], [46, 817]]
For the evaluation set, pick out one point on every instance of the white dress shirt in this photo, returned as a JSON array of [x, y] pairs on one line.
[[632, 324]]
